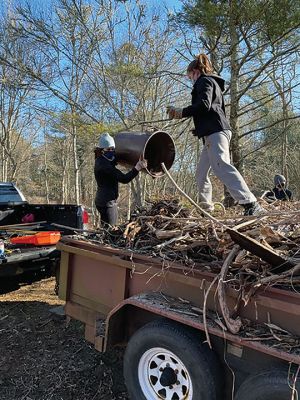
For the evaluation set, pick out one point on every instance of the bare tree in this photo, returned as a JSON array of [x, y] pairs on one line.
[[16, 115]]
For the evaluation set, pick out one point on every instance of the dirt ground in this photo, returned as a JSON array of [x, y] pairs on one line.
[[43, 359]]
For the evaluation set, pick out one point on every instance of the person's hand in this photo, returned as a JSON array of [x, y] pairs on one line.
[[141, 164], [174, 113]]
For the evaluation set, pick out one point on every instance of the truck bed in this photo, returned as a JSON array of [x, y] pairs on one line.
[[67, 214], [21, 258]]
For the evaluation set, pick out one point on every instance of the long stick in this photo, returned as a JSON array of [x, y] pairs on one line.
[[22, 225], [18, 231], [155, 121], [252, 245], [191, 200], [71, 228], [206, 293]]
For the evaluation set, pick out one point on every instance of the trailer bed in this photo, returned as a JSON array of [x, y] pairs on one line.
[[96, 280]]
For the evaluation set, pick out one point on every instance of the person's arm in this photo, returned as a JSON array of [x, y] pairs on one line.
[[129, 176], [289, 194], [121, 176], [270, 196], [204, 91]]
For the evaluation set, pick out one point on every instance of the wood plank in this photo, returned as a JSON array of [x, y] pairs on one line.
[[83, 314], [63, 276]]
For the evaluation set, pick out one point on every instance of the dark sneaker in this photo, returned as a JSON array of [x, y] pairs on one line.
[[206, 206], [253, 209]]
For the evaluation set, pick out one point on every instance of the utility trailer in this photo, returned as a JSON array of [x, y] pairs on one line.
[[165, 315]]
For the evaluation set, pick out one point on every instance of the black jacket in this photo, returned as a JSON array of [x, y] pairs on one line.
[[208, 107], [276, 194], [108, 177]]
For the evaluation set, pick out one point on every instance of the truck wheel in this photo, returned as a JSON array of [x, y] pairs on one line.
[[267, 386], [164, 361]]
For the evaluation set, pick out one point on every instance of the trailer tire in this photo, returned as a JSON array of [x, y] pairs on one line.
[[160, 350], [267, 386]]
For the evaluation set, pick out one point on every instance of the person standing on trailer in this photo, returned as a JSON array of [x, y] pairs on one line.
[[108, 178], [212, 126]]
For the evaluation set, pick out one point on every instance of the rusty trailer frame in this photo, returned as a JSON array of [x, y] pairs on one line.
[[102, 285]]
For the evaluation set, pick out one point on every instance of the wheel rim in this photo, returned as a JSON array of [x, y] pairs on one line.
[[162, 375]]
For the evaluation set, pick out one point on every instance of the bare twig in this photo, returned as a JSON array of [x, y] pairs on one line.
[[233, 325]]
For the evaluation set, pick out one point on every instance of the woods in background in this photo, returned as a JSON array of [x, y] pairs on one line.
[[72, 69]]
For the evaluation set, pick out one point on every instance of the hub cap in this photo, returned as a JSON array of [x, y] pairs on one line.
[[162, 375]]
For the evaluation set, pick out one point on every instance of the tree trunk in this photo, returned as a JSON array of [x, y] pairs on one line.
[[284, 166], [128, 203], [46, 173], [284, 146], [234, 100], [3, 166], [64, 179], [75, 162], [137, 191], [234, 87]]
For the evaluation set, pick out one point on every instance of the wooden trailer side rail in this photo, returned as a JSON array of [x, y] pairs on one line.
[[98, 282]]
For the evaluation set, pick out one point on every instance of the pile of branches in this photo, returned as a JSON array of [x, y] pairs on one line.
[[177, 234]]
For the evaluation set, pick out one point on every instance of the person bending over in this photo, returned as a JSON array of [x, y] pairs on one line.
[[108, 178]]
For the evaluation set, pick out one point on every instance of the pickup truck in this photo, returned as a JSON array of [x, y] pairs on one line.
[[14, 209], [177, 347]]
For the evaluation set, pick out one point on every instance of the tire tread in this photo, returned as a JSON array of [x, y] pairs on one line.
[[214, 378], [261, 386]]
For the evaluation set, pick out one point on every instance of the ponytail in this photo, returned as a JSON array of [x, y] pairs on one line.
[[201, 63], [98, 152]]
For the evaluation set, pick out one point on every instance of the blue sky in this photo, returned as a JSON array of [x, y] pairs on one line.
[[5, 5], [170, 3]]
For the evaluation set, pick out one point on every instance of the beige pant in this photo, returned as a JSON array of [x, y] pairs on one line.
[[215, 156]]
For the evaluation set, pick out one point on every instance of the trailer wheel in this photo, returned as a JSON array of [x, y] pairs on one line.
[[268, 386], [164, 361]]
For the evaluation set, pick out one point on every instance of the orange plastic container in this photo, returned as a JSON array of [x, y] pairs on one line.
[[39, 239]]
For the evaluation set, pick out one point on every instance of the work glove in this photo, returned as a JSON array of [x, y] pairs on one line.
[[141, 164], [174, 113]]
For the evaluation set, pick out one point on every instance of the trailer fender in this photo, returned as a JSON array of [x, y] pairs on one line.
[[136, 311]]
